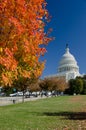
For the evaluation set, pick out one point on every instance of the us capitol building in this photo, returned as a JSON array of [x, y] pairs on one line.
[[67, 66]]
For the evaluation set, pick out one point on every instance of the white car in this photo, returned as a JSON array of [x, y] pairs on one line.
[[16, 94], [19, 93], [49, 93], [13, 94]]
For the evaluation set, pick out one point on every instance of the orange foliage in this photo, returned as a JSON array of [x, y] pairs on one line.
[[22, 25]]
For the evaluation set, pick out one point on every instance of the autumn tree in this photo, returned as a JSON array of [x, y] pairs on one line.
[[46, 84], [22, 35], [62, 84], [25, 84], [34, 86], [58, 84], [42, 85]]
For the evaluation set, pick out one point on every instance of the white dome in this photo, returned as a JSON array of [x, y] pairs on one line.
[[68, 67], [68, 63]]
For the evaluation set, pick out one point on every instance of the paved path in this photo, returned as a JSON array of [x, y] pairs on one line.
[[11, 100]]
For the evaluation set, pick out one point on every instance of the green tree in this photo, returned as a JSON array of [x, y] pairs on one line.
[[84, 87], [72, 85], [79, 86], [75, 86]]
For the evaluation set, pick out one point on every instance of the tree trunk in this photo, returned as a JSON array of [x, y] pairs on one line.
[[23, 97]]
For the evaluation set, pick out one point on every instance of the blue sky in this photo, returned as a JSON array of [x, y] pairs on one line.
[[69, 26]]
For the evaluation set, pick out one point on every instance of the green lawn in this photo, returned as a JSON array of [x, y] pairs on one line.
[[56, 113]]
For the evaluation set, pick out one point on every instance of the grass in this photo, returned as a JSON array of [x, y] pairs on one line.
[[56, 113]]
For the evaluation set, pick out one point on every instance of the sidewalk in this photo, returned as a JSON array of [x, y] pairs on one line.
[[13, 100]]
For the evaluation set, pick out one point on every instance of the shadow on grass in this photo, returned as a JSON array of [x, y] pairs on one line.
[[68, 115]]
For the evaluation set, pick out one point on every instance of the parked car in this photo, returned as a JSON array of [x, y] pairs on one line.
[[13, 94], [54, 93], [49, 93], [27, 94], [16, 94], [43, 93], [34, 94], [2, 94], [19, 93]]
